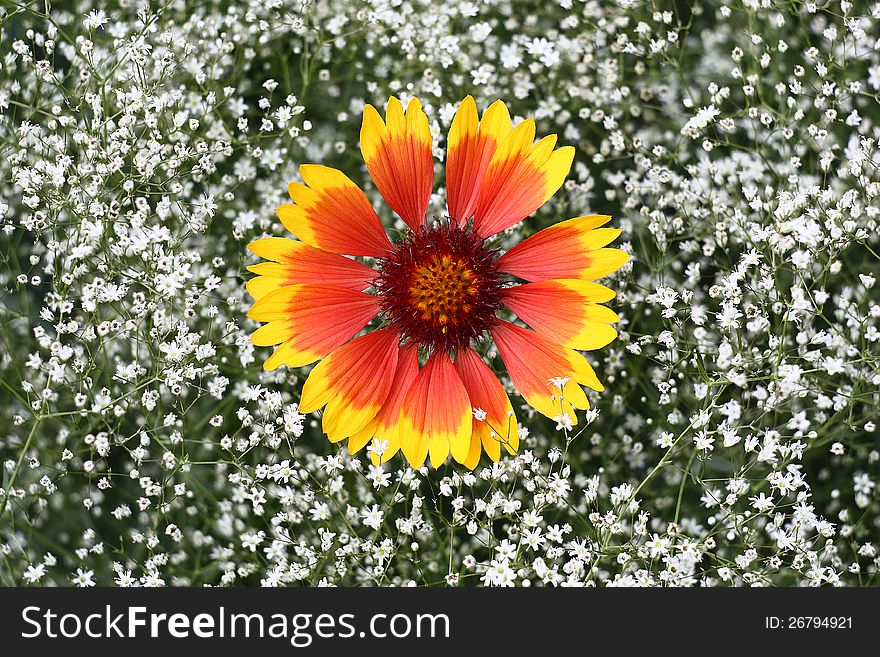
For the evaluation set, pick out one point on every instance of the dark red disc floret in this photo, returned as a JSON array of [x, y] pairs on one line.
[[440, 286]]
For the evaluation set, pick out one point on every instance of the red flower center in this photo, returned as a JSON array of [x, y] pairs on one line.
[[440, 286]]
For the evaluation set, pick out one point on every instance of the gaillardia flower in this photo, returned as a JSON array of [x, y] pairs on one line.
[[414, 382]]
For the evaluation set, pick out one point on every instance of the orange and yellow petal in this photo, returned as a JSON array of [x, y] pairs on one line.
[[331, 213], [566, 311], [383, 427], [535, 363], [295, 263], [486, 393], [569, 249], [436, 415], [397, 152], [470, 146], [352, 383], [309, 321], [520, 178]]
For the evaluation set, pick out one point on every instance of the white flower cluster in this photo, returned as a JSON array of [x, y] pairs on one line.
[[143, 145]]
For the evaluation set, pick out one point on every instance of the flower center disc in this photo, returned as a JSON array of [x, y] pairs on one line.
[[440, 287], [442, 290]]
